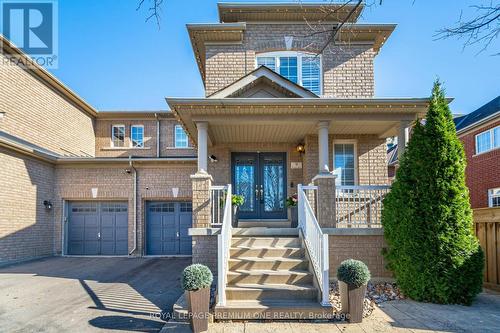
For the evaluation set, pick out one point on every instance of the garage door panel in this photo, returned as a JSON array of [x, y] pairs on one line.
[[98, 228], [170, 237]]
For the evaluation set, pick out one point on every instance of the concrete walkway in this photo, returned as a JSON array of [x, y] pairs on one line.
[[395, 316]]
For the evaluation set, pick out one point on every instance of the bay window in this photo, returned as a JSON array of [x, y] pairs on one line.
[[298, 67]]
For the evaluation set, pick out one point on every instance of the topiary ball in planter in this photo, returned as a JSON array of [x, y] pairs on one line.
[[196, 281], [353, 276], [196, 276], [353, 272]]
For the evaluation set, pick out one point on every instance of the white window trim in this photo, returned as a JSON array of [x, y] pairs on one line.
[[355, 143], [175, 139], [299, 55], [492, 141], [132, 141], [490, 196], [124, 134]]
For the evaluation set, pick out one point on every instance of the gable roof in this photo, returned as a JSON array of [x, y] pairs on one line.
[[291, 11], [481, 115], [264, 75]]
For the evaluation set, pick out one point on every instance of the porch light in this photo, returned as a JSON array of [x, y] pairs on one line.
[[47, 204], [213, 159], [301, 149]]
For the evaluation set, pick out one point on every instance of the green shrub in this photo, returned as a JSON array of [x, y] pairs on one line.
[[427, 217], [196, 276], [353, 272], [237, 200]]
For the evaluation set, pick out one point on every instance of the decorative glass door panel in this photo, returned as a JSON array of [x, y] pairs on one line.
[[261, 179]]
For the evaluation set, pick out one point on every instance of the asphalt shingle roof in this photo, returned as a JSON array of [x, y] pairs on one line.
[[483, 112]]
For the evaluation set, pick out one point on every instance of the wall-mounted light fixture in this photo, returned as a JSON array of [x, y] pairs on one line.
[[213, 159], [47, 204], [301, 148]]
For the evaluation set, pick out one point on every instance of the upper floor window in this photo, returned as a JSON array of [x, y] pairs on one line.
[[494, 197], [118, 135], [181, 139], [301, 68], [488, 140], [137, 136], [344, 163]]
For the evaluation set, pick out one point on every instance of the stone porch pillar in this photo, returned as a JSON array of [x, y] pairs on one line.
[[323, 147], [403, 137], [325, 205]]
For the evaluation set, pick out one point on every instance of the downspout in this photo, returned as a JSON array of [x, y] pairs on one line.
[[157, 135], [135, 205]]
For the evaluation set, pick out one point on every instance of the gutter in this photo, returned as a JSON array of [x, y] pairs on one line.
[[157, 135], [135, 205], [122, 159]]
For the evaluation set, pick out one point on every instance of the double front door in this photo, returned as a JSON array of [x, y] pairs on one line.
[[261, 179]]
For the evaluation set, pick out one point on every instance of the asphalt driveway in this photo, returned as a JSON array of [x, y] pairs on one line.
[[89, 294]]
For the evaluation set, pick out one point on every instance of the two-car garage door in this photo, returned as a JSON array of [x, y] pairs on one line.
[[101, 228]]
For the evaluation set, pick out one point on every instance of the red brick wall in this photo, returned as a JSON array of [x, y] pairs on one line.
[[483, 170]]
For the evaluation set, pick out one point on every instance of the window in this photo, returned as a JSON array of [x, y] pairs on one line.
[[494, 197], [301, 68], [344, 163], [488, 140], [181, 139], [137, 136], [118, 135]]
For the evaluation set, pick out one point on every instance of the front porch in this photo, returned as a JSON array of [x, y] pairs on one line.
[[249, 147]]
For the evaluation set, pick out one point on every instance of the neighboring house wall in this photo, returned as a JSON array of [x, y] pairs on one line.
[[154, 182], [482, 172], [26, 226], [167, 147], [37, 113], [347, 69]]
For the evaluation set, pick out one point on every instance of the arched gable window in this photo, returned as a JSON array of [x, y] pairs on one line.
[[299, 67]]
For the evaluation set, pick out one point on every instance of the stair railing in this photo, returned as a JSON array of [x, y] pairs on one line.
[[223, 246], [316, 242]]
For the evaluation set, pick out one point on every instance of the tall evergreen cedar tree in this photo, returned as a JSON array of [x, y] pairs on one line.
[[427, 217]]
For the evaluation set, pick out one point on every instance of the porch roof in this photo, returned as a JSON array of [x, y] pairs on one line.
[[243, 120]]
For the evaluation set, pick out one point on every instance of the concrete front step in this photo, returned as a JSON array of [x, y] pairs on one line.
[[265, 231], [265, 241], [242, 291], [264, 223], [299, 277], [272, 310], [268, 263], [263, 252]]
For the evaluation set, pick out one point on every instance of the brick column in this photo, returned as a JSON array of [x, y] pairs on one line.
[[204, 245], [326, 200]]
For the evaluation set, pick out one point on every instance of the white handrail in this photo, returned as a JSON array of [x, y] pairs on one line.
[[223, 245], [316, 243], [360, 205]]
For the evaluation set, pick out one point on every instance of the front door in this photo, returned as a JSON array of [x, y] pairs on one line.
[[261, 179]]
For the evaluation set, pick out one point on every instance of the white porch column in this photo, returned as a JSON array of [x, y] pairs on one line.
[[403, 137], [323, 146], [202, 146]]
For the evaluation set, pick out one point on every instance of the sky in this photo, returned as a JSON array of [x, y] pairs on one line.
[[115, 60]]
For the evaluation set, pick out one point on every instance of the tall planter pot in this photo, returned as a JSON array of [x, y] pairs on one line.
[[294, 216], [236, 211], [198, 304], [352, 300]]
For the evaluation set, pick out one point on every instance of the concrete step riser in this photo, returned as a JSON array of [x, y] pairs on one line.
[[265, 242], [268, 264], [286, 278], [270, 294], [288, 312], [268, 252]]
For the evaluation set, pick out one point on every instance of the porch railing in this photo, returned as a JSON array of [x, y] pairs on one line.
[[217, 200], [223, 246], [359, 206], [316, 242]]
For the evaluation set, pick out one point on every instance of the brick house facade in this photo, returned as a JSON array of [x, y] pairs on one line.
[[482, 172], [64, 179]]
